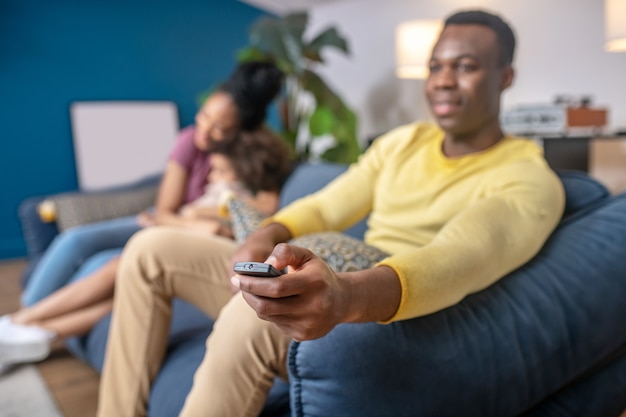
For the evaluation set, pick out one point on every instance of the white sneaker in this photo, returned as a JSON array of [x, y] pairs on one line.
[[5, 320], [20, 344]]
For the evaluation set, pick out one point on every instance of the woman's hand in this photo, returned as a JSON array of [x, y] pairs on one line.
[[189, 212], [146, 219]]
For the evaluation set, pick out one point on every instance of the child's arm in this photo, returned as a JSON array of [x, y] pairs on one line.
[[195, 212]]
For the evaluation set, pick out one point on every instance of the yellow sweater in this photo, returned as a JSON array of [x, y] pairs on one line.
[[453, 226]]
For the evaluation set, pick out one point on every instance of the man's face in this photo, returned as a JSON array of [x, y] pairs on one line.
[[466, 79]]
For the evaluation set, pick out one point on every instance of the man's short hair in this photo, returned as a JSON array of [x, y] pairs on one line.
[[504, 33]]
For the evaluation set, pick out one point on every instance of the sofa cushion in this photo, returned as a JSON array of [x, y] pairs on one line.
[[598, 392], [307, 178], [244, 218], [498, 352], [74, 209], [582, 193], [341, 252]]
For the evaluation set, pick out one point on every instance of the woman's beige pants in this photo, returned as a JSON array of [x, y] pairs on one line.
[[244, 353]]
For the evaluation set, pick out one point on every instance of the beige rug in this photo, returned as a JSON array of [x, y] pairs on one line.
[[23, 393]]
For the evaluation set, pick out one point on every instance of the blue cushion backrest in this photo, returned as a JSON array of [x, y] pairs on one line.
[[582, 193], [309, 177], [489, 342]]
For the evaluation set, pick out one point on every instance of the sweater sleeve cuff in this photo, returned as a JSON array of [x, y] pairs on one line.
[[404, 296]]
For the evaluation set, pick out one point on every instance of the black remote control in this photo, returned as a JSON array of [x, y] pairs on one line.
[[256, 269]]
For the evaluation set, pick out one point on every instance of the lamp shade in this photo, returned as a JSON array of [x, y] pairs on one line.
[[615, 21], [414, 44]]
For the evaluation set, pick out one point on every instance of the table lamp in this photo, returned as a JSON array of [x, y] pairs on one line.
[[414, 43], [615, 25]]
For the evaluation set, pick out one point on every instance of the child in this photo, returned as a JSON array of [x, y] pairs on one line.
[[208, 212], [258, 161]]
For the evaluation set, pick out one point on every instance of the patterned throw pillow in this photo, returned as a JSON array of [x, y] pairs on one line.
[[342, 253], [74, 209], [244, 218]]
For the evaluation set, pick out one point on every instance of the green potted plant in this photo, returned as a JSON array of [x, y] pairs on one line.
[[281, 41]]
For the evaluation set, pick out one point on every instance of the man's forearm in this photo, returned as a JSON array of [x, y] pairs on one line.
[[372, 294], [276, 232]]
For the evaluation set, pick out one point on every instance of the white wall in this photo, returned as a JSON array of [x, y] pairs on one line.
[[560, 51]]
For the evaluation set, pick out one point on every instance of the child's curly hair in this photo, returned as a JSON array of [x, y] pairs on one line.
[[260, 158]]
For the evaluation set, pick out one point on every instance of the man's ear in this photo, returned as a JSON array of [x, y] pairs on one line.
[[508, 74]]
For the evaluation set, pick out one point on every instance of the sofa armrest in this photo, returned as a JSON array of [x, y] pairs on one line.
[[80, 207], [521, 343], [37, 233], [583, 193], [77, 208]]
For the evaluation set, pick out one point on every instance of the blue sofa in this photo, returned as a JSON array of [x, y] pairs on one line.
[[483, 357]]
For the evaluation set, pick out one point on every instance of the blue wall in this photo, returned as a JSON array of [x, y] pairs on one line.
[[55, 52]]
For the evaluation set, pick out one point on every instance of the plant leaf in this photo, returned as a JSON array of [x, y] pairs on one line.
[[322, 121], [293, 49], [280, 40], [295, 24], [344, 120], [250, 53], [347, 149], [320, 90], [328, 38], [266, 34]]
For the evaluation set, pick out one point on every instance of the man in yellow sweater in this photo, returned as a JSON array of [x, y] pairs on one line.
[[456, 206]]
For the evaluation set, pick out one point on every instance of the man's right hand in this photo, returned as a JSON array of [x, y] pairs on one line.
[[260, 244], [311, 299]]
